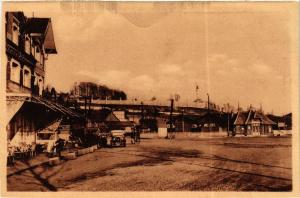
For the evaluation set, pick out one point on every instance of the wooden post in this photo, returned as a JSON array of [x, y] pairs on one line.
[[171, 114]]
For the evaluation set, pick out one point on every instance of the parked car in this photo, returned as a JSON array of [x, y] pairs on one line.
[[102, 139], [47, 140], [117, 138]]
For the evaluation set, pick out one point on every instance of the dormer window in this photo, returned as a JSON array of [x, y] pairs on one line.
[[15, 33], [27, 44]]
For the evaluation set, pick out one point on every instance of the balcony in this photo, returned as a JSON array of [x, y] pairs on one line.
[[12, 87], [39, 69], [19, 54]]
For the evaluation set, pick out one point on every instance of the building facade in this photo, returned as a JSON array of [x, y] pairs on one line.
[[252, 122], [29, 41]]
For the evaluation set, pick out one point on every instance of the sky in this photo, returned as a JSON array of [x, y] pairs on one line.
[[237, 52]]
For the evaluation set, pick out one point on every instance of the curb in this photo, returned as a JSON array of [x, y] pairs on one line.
[[56, 160]]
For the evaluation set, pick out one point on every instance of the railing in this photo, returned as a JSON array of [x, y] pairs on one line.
[[19, 54]]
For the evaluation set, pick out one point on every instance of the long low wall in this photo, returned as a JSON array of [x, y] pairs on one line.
[[188, 134], [212, 134]]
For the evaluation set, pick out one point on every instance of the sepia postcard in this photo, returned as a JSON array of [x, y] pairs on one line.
[[149, 99]]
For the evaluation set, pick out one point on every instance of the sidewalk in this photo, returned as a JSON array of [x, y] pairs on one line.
[[20, 166], [41, 160]]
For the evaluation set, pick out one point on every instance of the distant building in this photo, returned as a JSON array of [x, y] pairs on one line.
[[104, 120], [252, 122], [282, 122], [205, 122]]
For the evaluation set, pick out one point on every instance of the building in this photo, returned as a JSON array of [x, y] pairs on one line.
[[282, 122], [214, 122], [106, 120], [252, 122], [29, 42]]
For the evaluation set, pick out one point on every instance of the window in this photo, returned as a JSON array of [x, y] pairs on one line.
[[15, 71], [40, 85], [37, 54], [15, 33], [27, 44], [42, 59], [26, 77], [32, 48]]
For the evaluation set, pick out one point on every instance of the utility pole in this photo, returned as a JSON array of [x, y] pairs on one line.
[[227, 123], [207, 102], [171, 114], [197, 89], [142, 112], [182, 120], [85, 102], [208, 112]]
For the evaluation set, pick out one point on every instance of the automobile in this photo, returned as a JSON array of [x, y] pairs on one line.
[[46, 139], [278, 133], [117, 138], [102, 139]]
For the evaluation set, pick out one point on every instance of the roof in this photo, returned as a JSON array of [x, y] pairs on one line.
[[37, 25], [264, 119], [99, 115], [118, 124], [241, 118], [245, 117], [42, 27]]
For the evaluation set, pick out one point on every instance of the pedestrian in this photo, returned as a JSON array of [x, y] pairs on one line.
[[59, 146], [132, 135]]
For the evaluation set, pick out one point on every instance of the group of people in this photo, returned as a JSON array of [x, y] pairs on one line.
[[135, 135]]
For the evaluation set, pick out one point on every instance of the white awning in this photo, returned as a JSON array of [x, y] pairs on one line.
[[12, 108], [52, 127]]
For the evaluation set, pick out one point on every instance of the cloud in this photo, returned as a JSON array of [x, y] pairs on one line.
[[170, 69], [142, 84], [261, 69]]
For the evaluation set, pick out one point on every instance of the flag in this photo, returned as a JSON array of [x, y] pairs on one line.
[[177, 97]]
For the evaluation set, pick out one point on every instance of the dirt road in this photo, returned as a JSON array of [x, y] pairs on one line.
[[193, 164]]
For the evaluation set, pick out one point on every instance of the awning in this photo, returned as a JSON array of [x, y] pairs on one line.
[[52, 127], [56, 107], [15, 103], [13, 107]]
